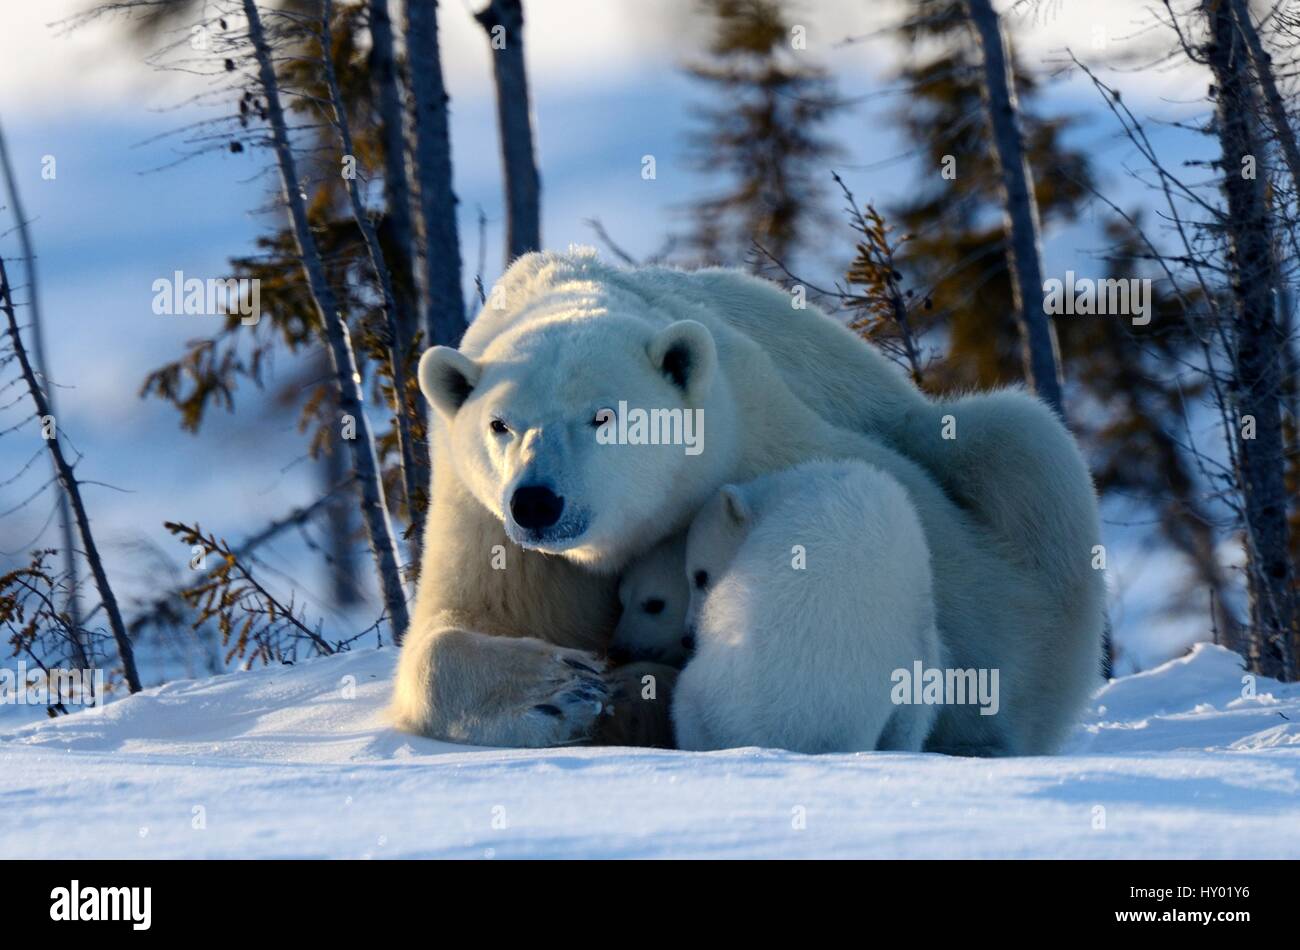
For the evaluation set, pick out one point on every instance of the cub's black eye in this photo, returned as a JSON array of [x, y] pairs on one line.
[[701, 579], [499, 427], [653, 606]]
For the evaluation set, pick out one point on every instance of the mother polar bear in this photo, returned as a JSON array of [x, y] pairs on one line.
[[531, 520]]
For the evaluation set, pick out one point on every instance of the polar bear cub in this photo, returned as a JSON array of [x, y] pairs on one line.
[[654, 597], [808, 587]]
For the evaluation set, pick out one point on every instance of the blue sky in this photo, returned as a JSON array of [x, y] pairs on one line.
[[608, 89]]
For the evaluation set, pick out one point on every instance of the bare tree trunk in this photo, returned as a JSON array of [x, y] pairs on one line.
[[347, 378], [397, 349], [1290, 365], [1257, 343], [66, 526], [503, 20], [444, 316], [1041, 353], [1262, 63], [73, 492], [401, 246], [1108, 652], [344, 589], [397, 235]]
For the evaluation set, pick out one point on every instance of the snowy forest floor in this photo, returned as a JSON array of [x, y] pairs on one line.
[[298, 762]]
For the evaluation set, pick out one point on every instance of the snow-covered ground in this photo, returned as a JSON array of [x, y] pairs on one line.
[[297, 762]]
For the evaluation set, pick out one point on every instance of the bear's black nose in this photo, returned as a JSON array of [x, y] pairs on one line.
[[619, 654], [688, 641], [535, 507]]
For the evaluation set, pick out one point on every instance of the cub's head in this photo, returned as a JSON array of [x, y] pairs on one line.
[[654, 595], [589, 436], [716, 534]]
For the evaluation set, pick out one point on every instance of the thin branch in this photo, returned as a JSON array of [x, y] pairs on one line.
[[68, 552], [73, 491]]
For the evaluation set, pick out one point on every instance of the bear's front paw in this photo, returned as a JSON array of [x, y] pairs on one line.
[[568, 699]]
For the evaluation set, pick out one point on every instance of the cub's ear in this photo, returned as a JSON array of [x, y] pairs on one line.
[[447, 377], [734, 504], [685, 353]]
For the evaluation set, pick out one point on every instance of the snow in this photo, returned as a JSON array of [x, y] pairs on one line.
[[298, 762]]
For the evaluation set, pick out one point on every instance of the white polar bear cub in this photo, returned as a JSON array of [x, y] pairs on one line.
[[652, 626], [808, 588]]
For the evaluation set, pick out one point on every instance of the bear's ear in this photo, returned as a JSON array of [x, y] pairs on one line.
[[685, 353], [734, 504], [447, 377]]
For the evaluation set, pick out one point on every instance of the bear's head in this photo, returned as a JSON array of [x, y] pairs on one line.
[[654, 596], [714, 538], [591, 436]]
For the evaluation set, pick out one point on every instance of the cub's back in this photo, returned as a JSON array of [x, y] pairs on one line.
[[832, 542]]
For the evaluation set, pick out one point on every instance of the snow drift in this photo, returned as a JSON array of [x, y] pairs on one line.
[[298, 762]]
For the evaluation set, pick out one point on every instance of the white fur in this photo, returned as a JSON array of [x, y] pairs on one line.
[[814, 587], [1008, 506], [654, 598]]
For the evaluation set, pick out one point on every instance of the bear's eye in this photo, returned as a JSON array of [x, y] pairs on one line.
[[653, 606], [601, 417], [499, 427], [701, 579]]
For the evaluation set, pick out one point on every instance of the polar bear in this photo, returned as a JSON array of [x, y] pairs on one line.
[[808, 589], [653, 597], [532, 518]]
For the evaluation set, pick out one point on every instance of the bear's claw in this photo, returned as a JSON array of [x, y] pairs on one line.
[[568, 701]]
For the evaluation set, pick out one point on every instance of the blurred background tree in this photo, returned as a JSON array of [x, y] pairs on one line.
[[765, 133]]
